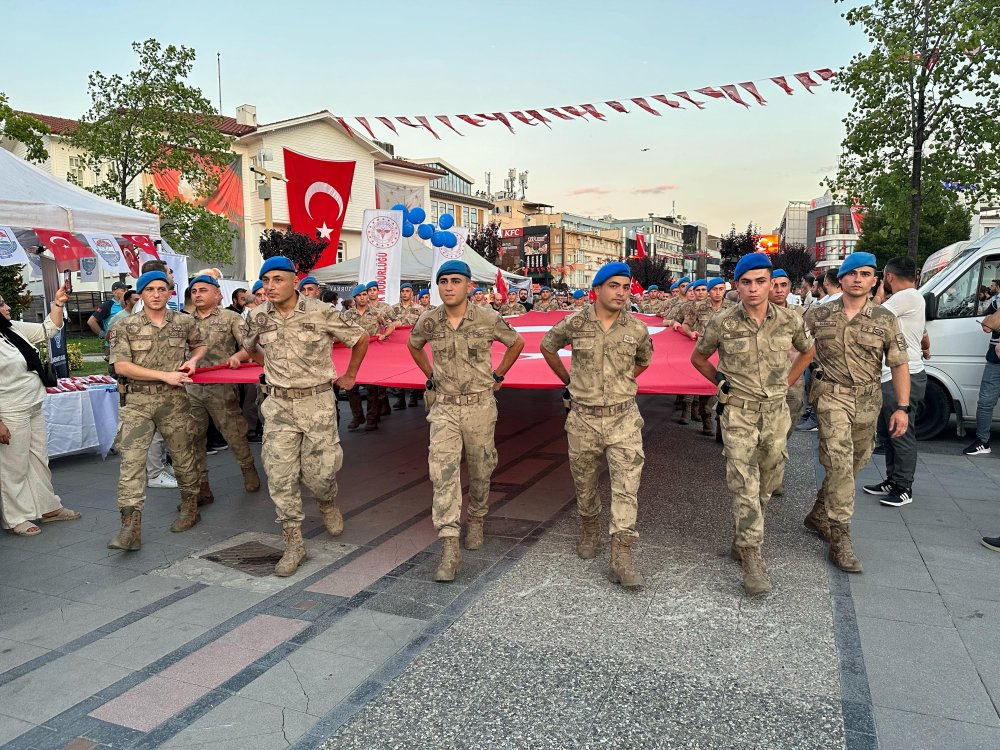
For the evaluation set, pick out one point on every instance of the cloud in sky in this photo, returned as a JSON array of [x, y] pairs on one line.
[[588, 191], [655, 189]]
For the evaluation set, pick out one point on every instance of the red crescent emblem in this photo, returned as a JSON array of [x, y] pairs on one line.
[[133, 261]]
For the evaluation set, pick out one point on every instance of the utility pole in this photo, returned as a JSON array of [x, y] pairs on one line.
[[264, 191], [218, 65]]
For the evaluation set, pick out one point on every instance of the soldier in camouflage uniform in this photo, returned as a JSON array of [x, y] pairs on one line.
[[378, 326], [512, 307], [462, 410], [424, 300], [752, 339], [222, 331], [696, 292], [852, 336], [149, 355], [780, 287], [383, 309], [610, 349], [404, 314], [292, 337], [652, 304], [679, 310], [693, 326], [546, 302]]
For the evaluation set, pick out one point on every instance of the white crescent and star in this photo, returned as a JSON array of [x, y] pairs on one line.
[[327, 189]]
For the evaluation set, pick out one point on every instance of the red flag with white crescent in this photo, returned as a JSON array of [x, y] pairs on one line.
[[501, 286], [637, 288], [66, 248], [640, 245], [145, 244], [318, 192]]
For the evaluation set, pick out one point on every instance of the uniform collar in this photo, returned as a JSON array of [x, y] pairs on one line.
[[215, 311], [838, 305], [167, 318], [470, 312], [770, 311], [590, 312]]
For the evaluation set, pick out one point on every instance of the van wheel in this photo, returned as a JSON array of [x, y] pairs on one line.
[[934, 413]]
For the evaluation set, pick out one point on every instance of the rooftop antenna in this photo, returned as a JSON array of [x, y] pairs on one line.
[[218, 66]]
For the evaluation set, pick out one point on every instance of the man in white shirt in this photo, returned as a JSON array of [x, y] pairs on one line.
[[830, 285], [907, 304]]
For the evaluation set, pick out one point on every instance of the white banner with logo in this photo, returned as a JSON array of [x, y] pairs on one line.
[[178, 264], [382, 252], [107, 250], [444, 254], [11, 251], [90, 269]]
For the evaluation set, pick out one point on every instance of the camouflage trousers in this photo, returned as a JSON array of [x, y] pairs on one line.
[[142, 415], [755, 451], [618, 439], [221, 402], [796, 402], [454, 426], [301, 445], [846, 438]]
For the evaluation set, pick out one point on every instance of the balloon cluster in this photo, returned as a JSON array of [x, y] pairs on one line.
[[439, 236]]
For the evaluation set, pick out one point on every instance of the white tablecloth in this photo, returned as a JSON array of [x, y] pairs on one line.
[[81, 420]]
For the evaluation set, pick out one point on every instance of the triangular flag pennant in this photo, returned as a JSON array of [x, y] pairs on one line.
[[733, 93], [780, 80], [645, 105], [752, 88]]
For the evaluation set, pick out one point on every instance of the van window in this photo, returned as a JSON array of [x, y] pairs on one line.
[[970, 294]]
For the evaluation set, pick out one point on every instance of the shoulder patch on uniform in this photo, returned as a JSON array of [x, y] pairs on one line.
[[576, 323], [901, 342], [729, 324], [629, 339], [429, 325], [822, 314], [309, 326]]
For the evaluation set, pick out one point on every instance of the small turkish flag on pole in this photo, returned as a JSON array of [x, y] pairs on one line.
[[66, 248], [318, 192], [640, 245], [637, 288], [501, 286]]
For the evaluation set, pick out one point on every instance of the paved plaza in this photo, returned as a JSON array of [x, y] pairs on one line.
[[530, 647]]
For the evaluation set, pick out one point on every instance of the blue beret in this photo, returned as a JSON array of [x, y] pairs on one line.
[[359, 289], [652, 288], [141, 282], [451, 267], [477, 290], [751, 262], [257, 286], [308, 280], [674, 285], [779, 273], [205, 279], [683, 280], [545, 289], [608, 270], [406, 285], [277, 263], [578, 294], [715, 281], [424, 292], [856, 260], [697, 283], [371, 285]]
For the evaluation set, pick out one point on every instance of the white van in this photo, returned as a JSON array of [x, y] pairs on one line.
[[952, 280]]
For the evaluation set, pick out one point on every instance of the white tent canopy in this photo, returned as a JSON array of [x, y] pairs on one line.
[[417, 264], [30, 197]]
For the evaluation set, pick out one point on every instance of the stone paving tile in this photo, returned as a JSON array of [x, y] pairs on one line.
[[11, 728], [62, 625], [904, 730], [143, 642], [15, 653], [373, 635], [886, 603], [241, 724], [211, 606]]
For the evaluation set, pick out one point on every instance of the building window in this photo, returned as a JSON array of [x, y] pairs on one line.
[[341, 252], [434, 212], [474, 219], [465, 216]]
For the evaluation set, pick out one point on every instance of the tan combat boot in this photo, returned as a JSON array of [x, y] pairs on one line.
[[251, 480], [188, 515], [333, 519], [622, 566], [707, 424], [205, 496], [130, 535], [755, 580], [357, 413], [685, 416], [589, 541], [818, 521], [842, 548], [451, 559], [295, 551], [474, 532]]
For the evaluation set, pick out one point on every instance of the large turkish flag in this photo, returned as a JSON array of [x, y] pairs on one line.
[[318, 192], [66, 248]]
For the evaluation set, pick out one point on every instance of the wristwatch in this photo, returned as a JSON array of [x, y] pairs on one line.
[[497, 378], [905, 408], [429, 385]]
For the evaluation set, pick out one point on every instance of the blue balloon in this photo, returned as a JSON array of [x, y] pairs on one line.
[[408, 228], [447, 221], [400, 207], [437, 239], [416, 215], [450, 239], [425, 231]]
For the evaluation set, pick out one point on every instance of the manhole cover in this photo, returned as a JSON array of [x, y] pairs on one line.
[[250, 557]]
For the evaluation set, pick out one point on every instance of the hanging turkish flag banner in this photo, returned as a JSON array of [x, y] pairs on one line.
[[501, 286], [145, 244], [637, 288], [66, 248], [640, 245], [318, 192]]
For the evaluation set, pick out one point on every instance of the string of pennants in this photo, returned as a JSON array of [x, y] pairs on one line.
[[738, 93]]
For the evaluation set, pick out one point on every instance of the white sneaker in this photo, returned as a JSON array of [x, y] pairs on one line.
[[163, 481]]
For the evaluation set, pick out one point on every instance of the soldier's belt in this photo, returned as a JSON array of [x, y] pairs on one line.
[[272, 390], [149, 388], [852, 390], [463, 399], [740, 403], [602, 411]]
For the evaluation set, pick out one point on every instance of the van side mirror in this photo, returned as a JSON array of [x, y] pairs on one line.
[[930, 305]]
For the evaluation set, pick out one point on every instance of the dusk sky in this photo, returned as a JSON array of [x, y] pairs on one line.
[[722, 165]]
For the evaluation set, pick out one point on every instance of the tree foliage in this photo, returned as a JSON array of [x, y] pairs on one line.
[[13, 290], [795, 260], [190, 229], [925, 102], [23, 129], [302, 249], [650, 270], [735, 245], [486, 241]]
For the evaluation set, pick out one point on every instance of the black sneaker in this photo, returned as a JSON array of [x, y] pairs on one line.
[[884, 488], [898, 497], [976, 448], [992, 542]]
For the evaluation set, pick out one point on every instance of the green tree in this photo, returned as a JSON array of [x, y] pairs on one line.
[[650, 270], [23, 129], [152, 120], [735, 245], [13, 290], [795, 260], [302, 249], [925, 102]]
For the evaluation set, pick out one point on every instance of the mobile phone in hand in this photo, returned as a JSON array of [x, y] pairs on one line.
[[68, 281]]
